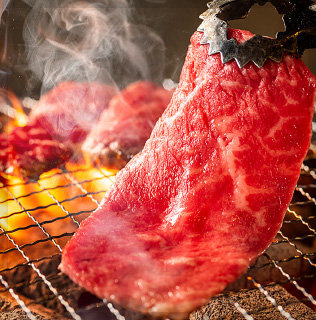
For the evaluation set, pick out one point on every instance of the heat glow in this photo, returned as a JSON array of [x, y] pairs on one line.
[[29, 208]]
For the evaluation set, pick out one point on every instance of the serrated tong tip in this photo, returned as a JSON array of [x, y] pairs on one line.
[[300, 31]]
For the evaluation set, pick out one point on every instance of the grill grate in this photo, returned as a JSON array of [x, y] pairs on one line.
[[38, 218]]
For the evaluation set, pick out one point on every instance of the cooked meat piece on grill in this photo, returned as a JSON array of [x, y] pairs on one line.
[[207, 194], [125, 126], [71, 110], [57, 127], [32, 151]]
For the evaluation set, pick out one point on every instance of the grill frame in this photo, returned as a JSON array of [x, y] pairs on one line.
[[82, 192]]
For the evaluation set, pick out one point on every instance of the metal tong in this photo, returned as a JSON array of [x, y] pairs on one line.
[[299, 18]]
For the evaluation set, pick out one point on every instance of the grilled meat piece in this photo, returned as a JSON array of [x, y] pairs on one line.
[[32, 151], [207, 194], [125, 126], [57, 127], [70, 110]]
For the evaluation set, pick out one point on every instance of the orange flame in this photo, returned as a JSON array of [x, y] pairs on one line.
[[20, 119], [54, 204], [71, 195]]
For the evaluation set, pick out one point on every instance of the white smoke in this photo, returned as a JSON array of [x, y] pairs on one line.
[[89, 41], [156, 1], [3, 5], [3, 42]]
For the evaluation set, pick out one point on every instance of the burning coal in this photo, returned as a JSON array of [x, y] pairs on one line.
[[70, 40]]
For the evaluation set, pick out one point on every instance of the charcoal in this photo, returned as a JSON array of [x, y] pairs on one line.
[[10, 309], [31, 285], [256, 304]]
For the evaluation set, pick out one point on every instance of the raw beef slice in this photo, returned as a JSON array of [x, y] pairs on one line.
[[207, 194], [56, 127], [126, 124]]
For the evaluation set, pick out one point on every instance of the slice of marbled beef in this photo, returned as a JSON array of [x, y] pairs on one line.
[[208, 192], [126, 124]]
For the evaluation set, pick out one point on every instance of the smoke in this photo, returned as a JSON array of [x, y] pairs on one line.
[[3, 5], [157, 1], [70, 40], [3, 42]]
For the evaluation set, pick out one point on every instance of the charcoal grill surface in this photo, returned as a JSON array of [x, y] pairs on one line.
[[42, 216]]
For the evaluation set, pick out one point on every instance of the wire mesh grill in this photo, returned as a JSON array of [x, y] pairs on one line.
[[38, 218]]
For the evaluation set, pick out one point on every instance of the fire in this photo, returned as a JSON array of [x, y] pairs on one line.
[[20, 119], [11, 107], [54, 204], [69, 195], [40, 216]]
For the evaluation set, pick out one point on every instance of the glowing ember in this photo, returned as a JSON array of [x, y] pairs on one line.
[[68, 195]]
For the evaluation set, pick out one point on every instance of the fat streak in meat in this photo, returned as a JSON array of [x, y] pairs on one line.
[[207, 194]]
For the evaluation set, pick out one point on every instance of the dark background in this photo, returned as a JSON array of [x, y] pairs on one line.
[[173, 20]]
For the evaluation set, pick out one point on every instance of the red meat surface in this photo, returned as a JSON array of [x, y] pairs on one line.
[[70, 110], [126, 124], [32, 151], [56, 127], [4, 147], [207, 194]]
